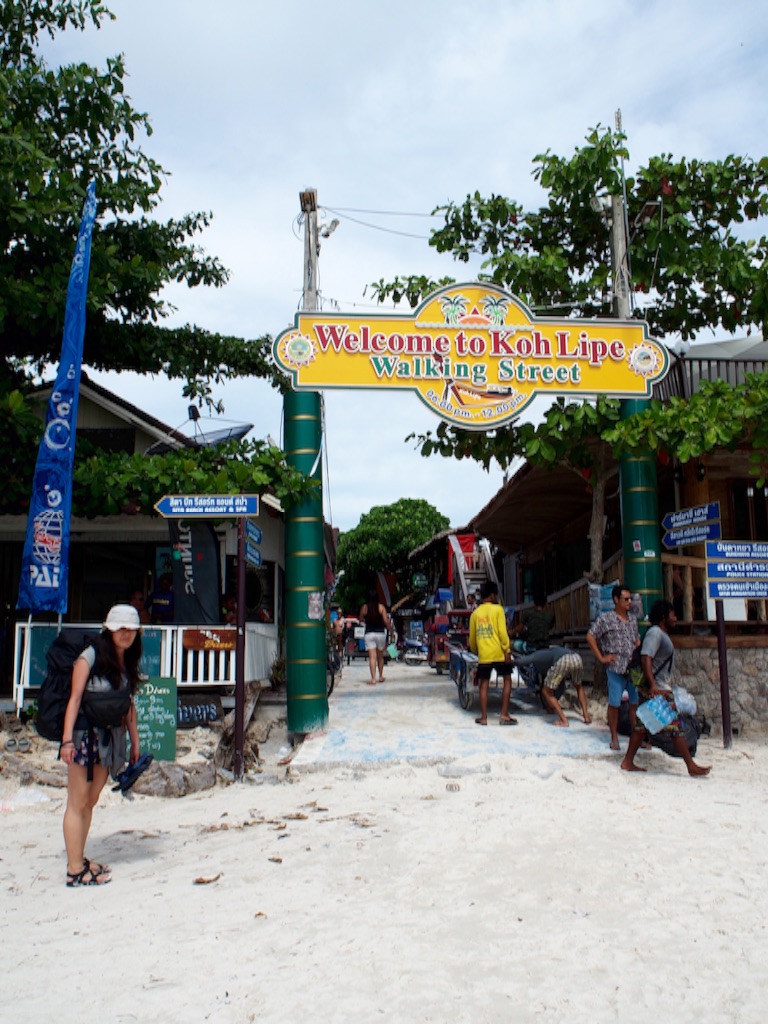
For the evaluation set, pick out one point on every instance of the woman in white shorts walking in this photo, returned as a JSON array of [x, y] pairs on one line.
[[377, 626]]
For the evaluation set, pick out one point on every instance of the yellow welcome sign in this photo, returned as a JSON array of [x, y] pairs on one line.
[[473, 353]]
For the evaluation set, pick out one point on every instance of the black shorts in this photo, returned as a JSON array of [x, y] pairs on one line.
[[484, 669]]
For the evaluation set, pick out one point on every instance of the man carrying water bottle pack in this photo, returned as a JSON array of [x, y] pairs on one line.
[[657, 656]]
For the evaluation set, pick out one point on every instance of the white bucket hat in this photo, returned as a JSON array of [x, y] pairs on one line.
[[122, 616]]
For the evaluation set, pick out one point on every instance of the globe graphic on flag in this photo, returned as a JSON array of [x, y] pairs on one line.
[[46, 544]]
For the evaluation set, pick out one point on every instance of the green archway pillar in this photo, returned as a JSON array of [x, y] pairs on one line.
[[305, 572], [640, 520]]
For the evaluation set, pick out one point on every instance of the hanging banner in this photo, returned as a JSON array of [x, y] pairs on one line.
[[473, 353], [196, 573], [45, 563]]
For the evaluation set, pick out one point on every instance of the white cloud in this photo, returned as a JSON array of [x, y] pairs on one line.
[[400, 107]]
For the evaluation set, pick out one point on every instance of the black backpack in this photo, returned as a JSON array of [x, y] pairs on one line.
[[57, 686]]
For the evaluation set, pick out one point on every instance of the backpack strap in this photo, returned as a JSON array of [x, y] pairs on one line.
[[664, 664], [91, 753]]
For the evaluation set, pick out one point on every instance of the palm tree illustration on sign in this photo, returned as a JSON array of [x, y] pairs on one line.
[[495, 309], [454, 306]]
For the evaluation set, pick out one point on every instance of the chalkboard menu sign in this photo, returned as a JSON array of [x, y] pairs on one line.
[[156, 714], [151, 640]]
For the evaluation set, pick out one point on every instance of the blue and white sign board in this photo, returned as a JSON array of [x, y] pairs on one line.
[[252, 554], [252, 532], [208, 506], [691, 516], [691, 525], [692, 535], [737, 569]]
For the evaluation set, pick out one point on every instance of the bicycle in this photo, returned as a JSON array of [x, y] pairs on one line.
[[332, 663]]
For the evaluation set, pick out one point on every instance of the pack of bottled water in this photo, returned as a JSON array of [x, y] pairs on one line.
[[655, 714]]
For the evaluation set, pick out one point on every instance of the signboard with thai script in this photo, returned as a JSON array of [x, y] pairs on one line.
[[737, 569], [691, 516], [252, 554], [691, 535], [252, 532], [207, 506], [474, 354], [692, 525]]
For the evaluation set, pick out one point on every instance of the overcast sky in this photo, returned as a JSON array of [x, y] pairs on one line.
[[389, 110]]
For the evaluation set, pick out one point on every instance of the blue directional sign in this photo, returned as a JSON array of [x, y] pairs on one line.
[[745, 589], [691, 516], [737, 569], [253, 533], [691, 535], [746, 550], [252, 554], [208, 506]]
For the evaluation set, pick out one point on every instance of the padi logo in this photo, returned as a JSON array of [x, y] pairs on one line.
[[44, 576]]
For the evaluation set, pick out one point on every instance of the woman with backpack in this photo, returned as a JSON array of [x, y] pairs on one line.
[[104, 679]]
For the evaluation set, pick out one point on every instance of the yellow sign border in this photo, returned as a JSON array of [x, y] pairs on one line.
[[474, 353]]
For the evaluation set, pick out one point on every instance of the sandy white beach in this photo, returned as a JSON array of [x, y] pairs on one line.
[[507, 887]]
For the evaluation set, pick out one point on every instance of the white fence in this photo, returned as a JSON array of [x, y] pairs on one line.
[[165, 655]]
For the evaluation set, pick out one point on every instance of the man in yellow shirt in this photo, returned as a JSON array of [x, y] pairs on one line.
[[489, 640]]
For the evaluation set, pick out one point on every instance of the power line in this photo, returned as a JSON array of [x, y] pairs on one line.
[[376, 227], [377, 213]]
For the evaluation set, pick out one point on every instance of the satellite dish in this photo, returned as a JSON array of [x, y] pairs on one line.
[[200, 438]]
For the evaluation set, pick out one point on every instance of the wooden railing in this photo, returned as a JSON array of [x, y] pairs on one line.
[[191, 668], [682, 576], [685, 375]]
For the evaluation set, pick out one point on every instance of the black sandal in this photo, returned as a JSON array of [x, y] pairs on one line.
[[97, 869], [78, 878]]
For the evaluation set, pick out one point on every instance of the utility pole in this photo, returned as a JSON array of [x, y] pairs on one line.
[[308, 201], [638, 484], [304, 551], [619, 260]]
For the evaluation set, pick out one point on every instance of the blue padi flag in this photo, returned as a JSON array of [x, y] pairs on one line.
[[45, 564]]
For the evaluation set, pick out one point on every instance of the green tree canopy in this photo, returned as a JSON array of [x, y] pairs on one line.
[[60, 128], [695, 264], [381, 542]]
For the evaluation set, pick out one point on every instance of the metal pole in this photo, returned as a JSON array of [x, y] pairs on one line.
[[307, 703], [238, 765], [725, 689]]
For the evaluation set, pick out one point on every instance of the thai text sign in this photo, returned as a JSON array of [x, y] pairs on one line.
[[691, 535], [207, 506], [473, 353], [252, 554], [737, 569], [691, 516], [692, 525]]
